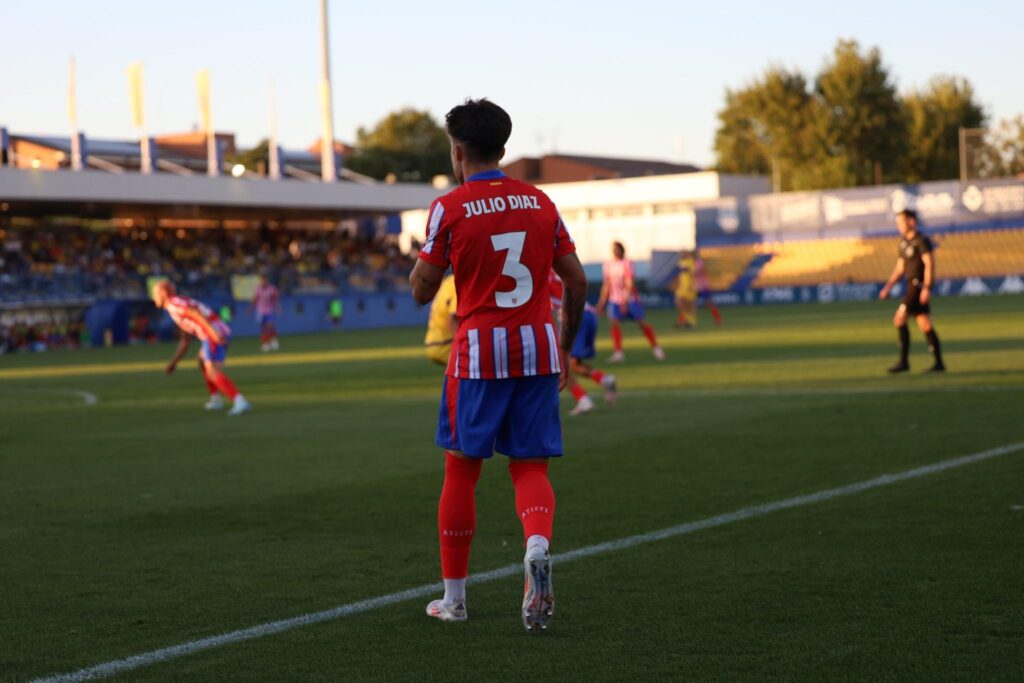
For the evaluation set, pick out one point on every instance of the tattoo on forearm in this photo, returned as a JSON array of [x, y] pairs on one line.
[[572, 314]]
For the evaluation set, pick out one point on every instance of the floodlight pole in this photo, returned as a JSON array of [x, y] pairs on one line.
[[328, 168]]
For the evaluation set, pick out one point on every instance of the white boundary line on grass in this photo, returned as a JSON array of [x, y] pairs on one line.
[[147, 658]]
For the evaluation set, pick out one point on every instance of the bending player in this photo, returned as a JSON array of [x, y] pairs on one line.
[[196, 320], [618, 290], [266, 300], [501, 237], [442, 323], [582, 351]]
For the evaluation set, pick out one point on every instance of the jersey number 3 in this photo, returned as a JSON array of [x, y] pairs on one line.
[[513, 268]]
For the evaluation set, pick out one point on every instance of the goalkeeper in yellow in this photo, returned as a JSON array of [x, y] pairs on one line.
[[442, 323]]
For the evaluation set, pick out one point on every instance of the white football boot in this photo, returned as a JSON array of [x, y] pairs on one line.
[[610, 389], [538, 595], [274, 346], [658, 353], [240, 406], [584, 405], [215, 402], [439, 609], [617, 357]]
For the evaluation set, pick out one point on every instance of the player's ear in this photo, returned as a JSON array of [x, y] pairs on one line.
[[502, 154]]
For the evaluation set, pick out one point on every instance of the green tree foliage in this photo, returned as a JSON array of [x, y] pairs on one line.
[[407, 143], [863, 123], [850, 128], [254, 159], [934, 118], [1002, 152], [766, 128]]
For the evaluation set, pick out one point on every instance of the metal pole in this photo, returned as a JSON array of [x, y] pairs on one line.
[[328, 168], [963, 154]]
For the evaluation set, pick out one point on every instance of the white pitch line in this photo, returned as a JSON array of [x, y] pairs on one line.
[[154, 656], [88, 397]]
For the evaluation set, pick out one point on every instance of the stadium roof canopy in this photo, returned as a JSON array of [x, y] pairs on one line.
[[98, 194]]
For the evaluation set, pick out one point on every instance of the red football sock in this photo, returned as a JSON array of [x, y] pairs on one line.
[[714, 312], [264, 337], [596, 375], [456, 514], [616, 337], [211, 387], [578, 392], [535, 499], [649, 333], [225, 384]]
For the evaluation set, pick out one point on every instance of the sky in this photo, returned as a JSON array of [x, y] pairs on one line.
[[640, 79]]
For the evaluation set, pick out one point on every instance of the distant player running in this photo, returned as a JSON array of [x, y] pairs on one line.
[[916, 264], [619, 292], [501, 237], [266, 300], [194, 319], [690, 285], [582, 351], [442, 323], [704, 290]]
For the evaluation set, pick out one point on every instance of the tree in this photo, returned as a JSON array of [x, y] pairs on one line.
[[765, 129], [862, 122], [254, 159], [1002, 152], [407, 143], [934, 118]]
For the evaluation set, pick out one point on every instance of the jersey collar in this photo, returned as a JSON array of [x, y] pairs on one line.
[[493, 174]]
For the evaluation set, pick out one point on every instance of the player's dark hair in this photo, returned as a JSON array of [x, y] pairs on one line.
[[620, 247], [908, 213], [481, 127]]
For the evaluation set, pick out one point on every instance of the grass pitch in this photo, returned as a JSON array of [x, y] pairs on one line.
[[142, 521]]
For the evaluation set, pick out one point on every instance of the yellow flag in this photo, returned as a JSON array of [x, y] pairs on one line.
[[203, 86], [135, 88], [72, 106]]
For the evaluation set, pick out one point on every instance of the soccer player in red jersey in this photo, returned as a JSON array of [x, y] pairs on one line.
[[501, 237], [618, 290], [266, 301], [582, 351], [197, 320]]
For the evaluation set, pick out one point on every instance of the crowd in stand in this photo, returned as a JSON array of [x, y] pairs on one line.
[[67, 262], [40, 333]]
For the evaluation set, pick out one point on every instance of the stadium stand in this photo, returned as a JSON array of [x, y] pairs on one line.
[[55, 262], [961, 254]]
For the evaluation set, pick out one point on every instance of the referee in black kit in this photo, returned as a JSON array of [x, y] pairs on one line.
[[916, 263]]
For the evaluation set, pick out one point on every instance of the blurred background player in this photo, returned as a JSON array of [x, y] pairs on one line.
[[442, 323], [690, 286], [684, 287], [194, 319], [700, 274], [582, 350], [501, 238], [916, 264], [266, 301], [618, 291]]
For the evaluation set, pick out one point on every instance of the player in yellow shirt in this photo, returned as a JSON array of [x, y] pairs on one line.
[[685, 288], [442, 323]]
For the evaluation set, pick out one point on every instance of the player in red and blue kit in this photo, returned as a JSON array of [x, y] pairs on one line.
[[266, 301], [618, 291], [582, 351], [501, 237], [195, 319]]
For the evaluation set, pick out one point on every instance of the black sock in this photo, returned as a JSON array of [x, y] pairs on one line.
[[933, 345], [904, 343]]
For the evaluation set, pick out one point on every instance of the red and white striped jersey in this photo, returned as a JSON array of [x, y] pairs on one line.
[[196, 319], [619, 274], [265, 299], [501, 237]]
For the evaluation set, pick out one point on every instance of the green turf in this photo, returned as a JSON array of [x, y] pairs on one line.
[[143, 521]]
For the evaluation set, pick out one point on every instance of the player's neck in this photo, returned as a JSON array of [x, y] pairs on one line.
[[470, 169]]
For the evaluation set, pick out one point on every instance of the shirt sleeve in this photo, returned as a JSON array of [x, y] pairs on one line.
[[925, 245], [563, 241], [435, 248]]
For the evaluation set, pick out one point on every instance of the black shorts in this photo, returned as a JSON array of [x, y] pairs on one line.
[[912, 301]]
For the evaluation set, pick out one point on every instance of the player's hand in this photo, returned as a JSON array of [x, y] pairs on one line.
[[884, 294], [563, 376], [170, 368], [926, 296]]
